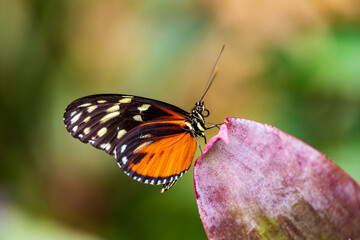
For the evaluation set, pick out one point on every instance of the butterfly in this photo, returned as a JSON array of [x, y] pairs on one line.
[[152, 141]]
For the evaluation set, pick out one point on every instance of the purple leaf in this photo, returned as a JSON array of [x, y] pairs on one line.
[[261, 183]]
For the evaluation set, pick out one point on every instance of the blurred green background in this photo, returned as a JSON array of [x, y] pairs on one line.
[[292, 64]]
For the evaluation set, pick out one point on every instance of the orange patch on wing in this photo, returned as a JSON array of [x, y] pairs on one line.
[[166, 157]]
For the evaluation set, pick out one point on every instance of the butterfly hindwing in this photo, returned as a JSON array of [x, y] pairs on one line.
[[153, 136], [156, 152]]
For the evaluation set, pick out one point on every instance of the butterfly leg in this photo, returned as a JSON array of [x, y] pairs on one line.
[[202, 154], [167, 186], [215, 125]]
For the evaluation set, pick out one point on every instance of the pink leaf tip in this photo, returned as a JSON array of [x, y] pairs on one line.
[[222, 135]]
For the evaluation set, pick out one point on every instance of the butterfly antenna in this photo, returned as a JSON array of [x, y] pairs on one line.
[[211, 77]]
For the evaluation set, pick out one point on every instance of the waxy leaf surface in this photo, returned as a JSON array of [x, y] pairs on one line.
[[257, 182]]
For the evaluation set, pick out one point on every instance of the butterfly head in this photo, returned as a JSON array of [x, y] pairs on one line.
[[200, 109]]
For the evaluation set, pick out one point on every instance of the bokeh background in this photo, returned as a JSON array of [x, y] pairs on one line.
[[292, 64]]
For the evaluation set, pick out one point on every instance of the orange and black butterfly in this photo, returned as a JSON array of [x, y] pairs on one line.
[[153, 142]]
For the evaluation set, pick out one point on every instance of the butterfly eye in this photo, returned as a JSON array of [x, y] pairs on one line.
[[199, 108]]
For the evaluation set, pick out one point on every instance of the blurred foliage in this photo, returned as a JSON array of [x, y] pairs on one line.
[[316, 84], [15, 225], [293, 65]]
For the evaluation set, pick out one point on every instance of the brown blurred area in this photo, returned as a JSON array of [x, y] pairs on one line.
[[291, 64]]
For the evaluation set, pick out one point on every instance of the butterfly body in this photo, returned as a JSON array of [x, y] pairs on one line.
[[152, 141]]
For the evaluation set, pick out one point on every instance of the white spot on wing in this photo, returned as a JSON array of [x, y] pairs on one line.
[[123, 147], [119, 164], [81, 136], [108, 147], [91, 108], [109, 116], [121, 133], [146, 181], [144, 107], [72, 113], [87, 130], [152, 182], [114, 108], [84, 105], [138, 118], [102, 132], [158, 182], [74, 119], [75, 129], [105, 146], [125, 100], [164, 181], [101, 101], [124, 160], [87, 119]]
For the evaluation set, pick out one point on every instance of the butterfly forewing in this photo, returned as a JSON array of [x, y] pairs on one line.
[[150, 139]]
